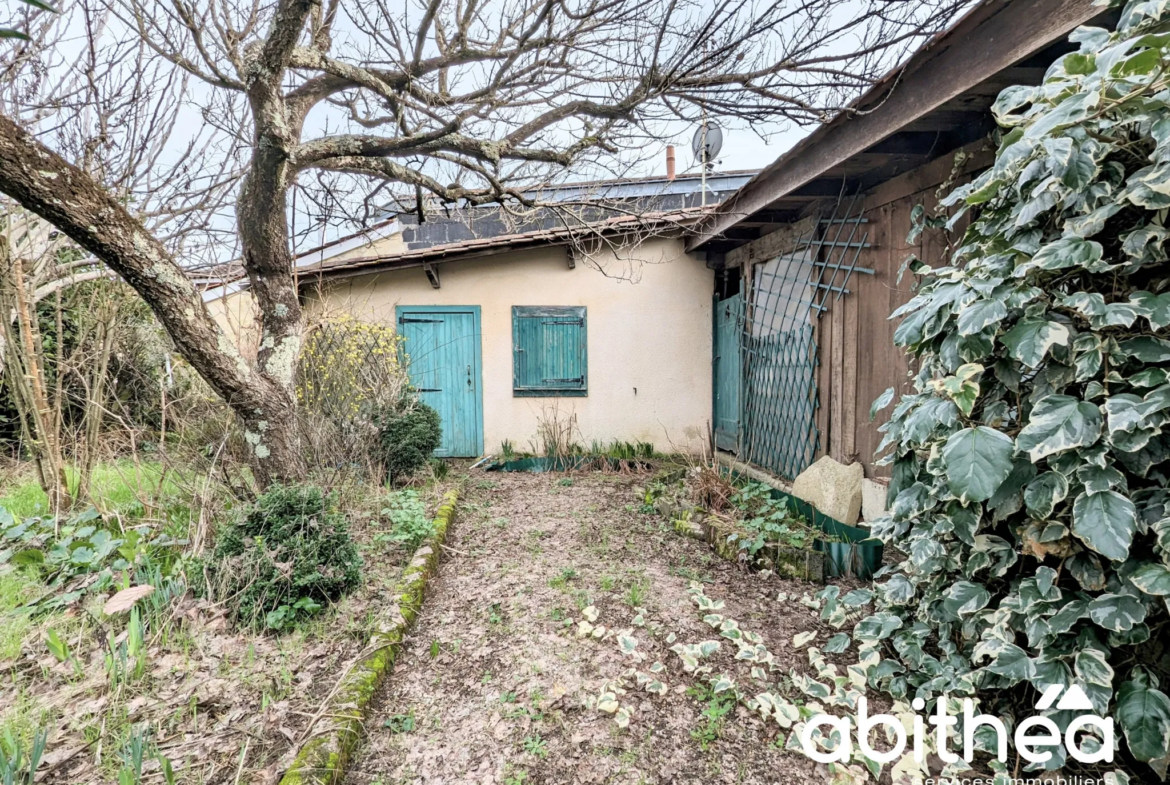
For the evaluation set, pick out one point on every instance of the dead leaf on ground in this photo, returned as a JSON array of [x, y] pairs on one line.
[[125, 599]]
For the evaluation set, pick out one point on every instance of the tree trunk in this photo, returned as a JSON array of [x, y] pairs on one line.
[[69, 199]]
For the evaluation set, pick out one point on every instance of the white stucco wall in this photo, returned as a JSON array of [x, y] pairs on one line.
[[649, 336]]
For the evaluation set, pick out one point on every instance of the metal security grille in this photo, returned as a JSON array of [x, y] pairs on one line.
[[785, 298]]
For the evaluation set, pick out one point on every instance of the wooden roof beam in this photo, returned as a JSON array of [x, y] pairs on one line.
[[993, 36]]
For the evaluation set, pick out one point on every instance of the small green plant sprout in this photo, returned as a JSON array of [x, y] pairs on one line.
[[495, 615], [285, 617], [57, 647], [565, 482], [400, 723], [517, 777], [507, 450], [132, 757], [561, 580], [535, 745], [508, 697], [439, 468], [636, 593], [769, 522], [15, 768], [436, 648], [717, 705], [167, 769]]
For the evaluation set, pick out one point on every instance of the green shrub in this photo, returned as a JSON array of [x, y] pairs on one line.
[[1031, 463], [410, 432], [284, 559]]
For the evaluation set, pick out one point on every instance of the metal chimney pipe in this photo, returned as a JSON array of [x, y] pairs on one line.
[[670, 162]]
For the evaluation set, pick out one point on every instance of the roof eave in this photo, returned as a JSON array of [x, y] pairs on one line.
[[990, 37]]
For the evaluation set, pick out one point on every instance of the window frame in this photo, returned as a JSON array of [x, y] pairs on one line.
[[551, 311]]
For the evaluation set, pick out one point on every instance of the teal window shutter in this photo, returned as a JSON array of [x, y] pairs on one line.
[[549, 351]]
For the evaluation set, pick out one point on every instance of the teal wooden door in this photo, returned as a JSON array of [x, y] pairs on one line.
[[727, 371], [442, 344]]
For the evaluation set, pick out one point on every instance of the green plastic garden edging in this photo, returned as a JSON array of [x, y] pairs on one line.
[[858, 555], [562, 464]]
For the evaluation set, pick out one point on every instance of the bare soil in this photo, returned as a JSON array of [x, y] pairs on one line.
[[495, 686]]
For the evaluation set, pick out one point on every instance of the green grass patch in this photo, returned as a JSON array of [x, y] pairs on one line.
[[15, 590], [119, 486]]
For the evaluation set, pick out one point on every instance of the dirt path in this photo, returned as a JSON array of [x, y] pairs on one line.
[[495, 686]]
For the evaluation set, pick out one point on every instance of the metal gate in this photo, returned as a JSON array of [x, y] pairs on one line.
[[776, 389]]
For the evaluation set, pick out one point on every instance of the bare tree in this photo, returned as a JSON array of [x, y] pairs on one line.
[[464, 101]]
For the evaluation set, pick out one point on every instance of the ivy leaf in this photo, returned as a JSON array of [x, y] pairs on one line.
[[1086, 568], [964, 598], [961, 388], [1116, 612], [927, 416], [1058, 423], [1090, 666], [1030, 340], [1155, 307], [881, 402], [1152, 578], [1066, 252], [802, 638], [1013, 663], [1105, 522], [877, 627], [1147, 349], [1044, 493], [1100, 478], [898, 590], [1081, 171], [980, 314], [1100, 314], [1144, 713], [838, 643], [978, 460], [857, 598]]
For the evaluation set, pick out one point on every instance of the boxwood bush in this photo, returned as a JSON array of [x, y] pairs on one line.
[[410, 432], [284, 559], [1030, 462]]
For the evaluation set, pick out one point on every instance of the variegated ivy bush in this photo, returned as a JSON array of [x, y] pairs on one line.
[[1030, 464]]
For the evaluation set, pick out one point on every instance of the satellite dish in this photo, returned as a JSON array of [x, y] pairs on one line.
[[714, 143]]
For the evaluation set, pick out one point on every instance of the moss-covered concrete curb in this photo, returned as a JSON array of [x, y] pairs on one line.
[[322, 759]]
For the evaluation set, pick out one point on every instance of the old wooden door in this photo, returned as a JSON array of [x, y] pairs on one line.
[[442, 344], [727, 371]]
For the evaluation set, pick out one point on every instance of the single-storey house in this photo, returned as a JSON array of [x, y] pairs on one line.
[[762, 320], [587, 319]]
